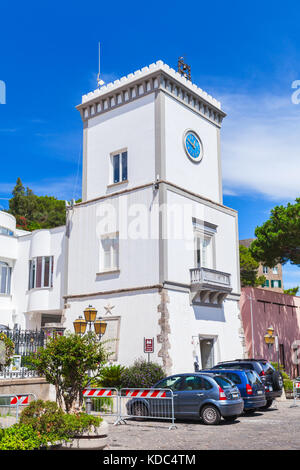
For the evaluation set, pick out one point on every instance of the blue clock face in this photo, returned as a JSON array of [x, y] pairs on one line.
[[192, 146]]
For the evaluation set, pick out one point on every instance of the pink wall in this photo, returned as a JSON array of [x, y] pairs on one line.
[[281, 311]]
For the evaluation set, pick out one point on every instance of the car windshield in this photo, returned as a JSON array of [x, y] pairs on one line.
[[223, 382]]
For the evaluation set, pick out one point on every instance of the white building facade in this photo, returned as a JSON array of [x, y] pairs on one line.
[[151, 246], [32, 270]]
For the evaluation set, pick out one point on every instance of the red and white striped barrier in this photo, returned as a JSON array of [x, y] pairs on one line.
[[146, 393], [19, 400], [97, 392], [297, 384]]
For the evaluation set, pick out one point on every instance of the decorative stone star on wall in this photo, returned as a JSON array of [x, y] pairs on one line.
[[108, 309]]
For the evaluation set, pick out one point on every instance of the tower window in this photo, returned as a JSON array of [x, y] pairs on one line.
[[119, 167], [109, 257]]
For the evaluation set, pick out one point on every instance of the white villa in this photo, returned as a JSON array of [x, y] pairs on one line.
[[151, 246]]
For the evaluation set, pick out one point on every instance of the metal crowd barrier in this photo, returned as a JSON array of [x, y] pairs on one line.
[[128, 403], [296, 393], [154, 403], [10, 406], [101, 400]]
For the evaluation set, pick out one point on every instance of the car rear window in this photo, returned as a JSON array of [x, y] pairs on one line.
[[223, 382], [233, 377], [235, 365], [268, 368], [253, 377]]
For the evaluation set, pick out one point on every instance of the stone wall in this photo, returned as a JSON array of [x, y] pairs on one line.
[[38, 386]]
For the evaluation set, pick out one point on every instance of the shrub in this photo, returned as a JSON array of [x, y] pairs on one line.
[[53, 425], [45, 417], [141, 374], [22, 437], [287, 384], [110, 376], [78, 424]]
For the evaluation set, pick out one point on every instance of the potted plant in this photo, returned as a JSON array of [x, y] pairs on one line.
[[70, 363], [56, 428]]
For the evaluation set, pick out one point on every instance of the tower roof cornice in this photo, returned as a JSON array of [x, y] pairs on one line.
[[145, 81]]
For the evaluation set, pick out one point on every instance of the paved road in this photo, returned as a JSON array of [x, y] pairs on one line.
[[273, 429]]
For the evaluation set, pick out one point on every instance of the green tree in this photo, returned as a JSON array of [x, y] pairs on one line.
[[66, 361], [278, 239], [34, 212], [249, 268], [292, 291], [7, 349]]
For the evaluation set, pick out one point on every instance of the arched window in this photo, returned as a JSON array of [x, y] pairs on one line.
[[5, 278]]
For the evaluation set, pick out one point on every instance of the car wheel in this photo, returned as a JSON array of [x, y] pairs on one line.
[[268, 404], [230, 418], [210, 415], [139, 410]]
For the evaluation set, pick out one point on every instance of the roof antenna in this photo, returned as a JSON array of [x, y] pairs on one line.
[[99, 81]]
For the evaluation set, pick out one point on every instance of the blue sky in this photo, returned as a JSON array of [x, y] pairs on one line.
[[246, 54]]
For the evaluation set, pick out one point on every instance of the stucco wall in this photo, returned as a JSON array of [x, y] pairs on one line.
[[282, 312]]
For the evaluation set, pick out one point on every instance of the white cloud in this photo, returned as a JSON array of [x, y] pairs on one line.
[[261, 145]]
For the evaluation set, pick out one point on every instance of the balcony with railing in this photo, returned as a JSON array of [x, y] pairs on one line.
[[209, 286]]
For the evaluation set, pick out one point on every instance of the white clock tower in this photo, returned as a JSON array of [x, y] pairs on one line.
[[152, 236]]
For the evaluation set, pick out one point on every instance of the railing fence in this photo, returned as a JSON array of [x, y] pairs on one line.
[[26, 342], [128, 403]]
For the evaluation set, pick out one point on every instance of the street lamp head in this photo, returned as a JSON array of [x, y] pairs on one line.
[[100, 327], [269, 340], [79, 326], [90, 314], [270, 330]]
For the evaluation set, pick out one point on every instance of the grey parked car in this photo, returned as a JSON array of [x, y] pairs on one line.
[[196, 395]]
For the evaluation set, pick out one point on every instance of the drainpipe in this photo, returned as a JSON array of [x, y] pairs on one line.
[[252, 327]]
